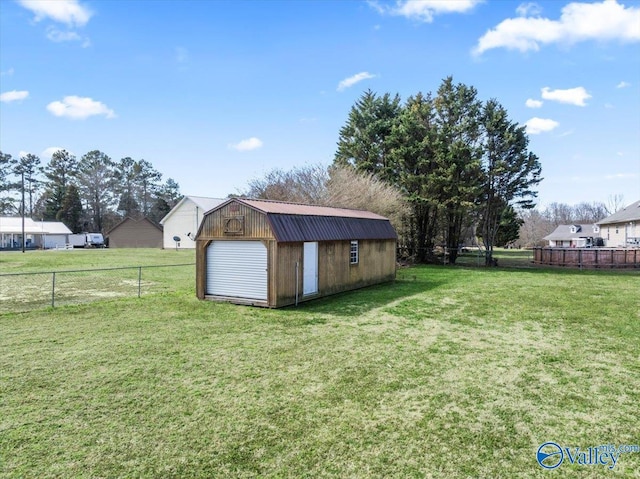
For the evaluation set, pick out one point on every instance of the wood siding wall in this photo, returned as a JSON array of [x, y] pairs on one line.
[[216, 225], [377, 264]]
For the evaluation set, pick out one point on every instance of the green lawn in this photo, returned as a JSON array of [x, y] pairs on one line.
[[27, 281], [448, 372], [91, 258]]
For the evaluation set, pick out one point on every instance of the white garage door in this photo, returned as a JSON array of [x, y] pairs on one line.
[[237, 269]]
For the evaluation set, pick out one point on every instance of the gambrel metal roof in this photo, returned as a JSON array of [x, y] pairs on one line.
[[292, 222]]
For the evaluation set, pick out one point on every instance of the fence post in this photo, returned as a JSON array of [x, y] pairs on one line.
[[53, 290], [139, 280], [580, 258]]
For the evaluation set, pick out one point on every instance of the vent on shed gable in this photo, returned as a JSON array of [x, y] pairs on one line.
[[234, 225]]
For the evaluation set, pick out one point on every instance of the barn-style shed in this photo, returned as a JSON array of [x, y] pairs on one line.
[[273, 254]]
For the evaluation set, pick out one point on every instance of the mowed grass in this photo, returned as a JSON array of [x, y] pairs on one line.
[[90, 258], [447, 372], [82, 275]]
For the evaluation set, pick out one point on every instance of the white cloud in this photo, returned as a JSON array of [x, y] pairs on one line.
[[9, 72], [79, 108], [425, 10], [69, 12], [60, 36], [13, 95], [623, 84], [249, 144], [536, 125], [352, 80], [531, 103], [573, 96], [529, 9], [607, 20], [48, 153]]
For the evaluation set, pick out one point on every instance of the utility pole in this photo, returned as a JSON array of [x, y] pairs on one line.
[[23, 238]]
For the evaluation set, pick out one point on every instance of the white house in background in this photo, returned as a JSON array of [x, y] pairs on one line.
[[573, 236], [184, 220], [623, 227], [38, 234]]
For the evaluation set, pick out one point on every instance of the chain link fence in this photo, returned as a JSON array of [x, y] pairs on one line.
[[28, 291]]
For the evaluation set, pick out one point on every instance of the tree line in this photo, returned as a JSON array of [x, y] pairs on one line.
[[458, 161], [457, 166], [92, 194], [443, 167]]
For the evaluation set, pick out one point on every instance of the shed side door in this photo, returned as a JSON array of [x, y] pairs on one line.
[[237, 269], [310, 268]]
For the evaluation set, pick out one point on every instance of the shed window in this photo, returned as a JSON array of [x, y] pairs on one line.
[[354, 252]]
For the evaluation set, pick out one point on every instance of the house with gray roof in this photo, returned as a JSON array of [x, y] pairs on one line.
[[622, 229], [574, 236]]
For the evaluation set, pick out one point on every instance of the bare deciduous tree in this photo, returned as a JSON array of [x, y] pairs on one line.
[[535, 227], [615, 203], [348, 188], [338, 186], [304, 184]]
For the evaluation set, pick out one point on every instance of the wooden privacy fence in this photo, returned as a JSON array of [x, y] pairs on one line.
[[588, 257]]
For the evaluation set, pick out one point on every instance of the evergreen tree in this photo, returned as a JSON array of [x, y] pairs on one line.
[[458, 158], [147, 180], [30, 166], [71, 211], [95, 180], [7, 202], [60, 172], [159, 210], [124, 175], [509, 228], [413, 139], [170, 192], [61, 169], [53, 203], [365, 140], [510, 173]]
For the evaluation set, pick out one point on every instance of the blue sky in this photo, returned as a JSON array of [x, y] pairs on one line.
[[215, 93]]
